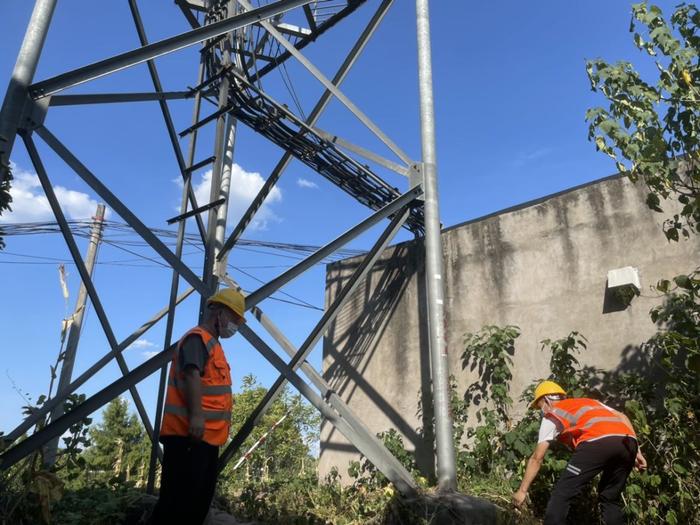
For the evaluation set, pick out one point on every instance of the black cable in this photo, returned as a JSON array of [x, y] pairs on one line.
[[278, 291], [114, 234]]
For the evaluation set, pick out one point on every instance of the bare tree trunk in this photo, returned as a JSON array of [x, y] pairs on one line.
[[120, 457]]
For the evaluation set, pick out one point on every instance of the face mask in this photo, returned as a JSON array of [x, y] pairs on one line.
[[546, 408], [228, 330]]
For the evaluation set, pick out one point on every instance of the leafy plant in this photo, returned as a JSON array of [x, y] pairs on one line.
[[563, 364], [28, 491], [366, 474], [489, 352], [663, 405], [652, 131], [101, 504], [667, 427]]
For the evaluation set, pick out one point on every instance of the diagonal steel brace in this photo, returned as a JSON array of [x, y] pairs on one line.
[[330, 314], [84, 275]]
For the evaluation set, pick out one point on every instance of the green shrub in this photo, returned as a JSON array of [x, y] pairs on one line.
[[662, 400]]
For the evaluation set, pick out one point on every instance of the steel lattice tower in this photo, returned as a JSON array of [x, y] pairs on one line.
[[240, 45]]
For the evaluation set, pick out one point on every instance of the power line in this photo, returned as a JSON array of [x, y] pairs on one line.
[[280, 291], [121, 237], [113, 229], [152, 264]]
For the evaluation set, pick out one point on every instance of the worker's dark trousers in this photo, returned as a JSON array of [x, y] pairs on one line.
[[614, 457], [187, 481]]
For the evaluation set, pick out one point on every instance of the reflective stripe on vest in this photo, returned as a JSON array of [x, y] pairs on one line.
[[212, 342], [578, 425], [595, 420], [214, 415], [207, 390], [572, 418]]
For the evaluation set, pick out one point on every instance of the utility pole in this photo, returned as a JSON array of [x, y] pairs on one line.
[[434, 266], [74, 331]]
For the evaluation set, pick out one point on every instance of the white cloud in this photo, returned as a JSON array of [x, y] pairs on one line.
[[143, 343], [244, 187], [29, 204], [304, 183]]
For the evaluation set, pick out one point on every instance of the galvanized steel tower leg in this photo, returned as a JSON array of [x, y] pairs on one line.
[[224, 191], [221, 173], [22, 76], [447, 479]]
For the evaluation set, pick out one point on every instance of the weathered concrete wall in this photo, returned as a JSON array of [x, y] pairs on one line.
[[542, 266]]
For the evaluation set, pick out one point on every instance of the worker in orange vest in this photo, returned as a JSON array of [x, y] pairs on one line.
[[602, 439], [197, 413]]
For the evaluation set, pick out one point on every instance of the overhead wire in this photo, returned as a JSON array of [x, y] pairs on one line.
[[113, 229], [309, 305], [116, 234], [295, 301], [283, 293]]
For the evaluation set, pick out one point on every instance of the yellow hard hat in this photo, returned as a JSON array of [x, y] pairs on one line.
[[546, 388], [230, 298]]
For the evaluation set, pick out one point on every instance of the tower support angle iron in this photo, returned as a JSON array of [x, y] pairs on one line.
[[240, 45]]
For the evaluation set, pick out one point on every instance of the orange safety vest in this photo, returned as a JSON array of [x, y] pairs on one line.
[[217, 400], [585, 419]]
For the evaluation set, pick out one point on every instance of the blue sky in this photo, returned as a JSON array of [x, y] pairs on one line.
[[510, 90]]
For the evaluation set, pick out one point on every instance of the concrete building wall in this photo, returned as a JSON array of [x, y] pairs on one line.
[[541, 266]]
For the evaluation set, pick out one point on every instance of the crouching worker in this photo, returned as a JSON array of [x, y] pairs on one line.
[[602, 439], [197, 414]]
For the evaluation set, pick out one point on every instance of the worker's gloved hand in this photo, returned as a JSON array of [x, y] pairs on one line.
[[519, 498], [640, 461], [197, 426]]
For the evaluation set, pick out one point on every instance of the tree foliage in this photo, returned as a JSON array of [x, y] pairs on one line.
[[652, 130], [286, 451], [120, 449], [668, 427]]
